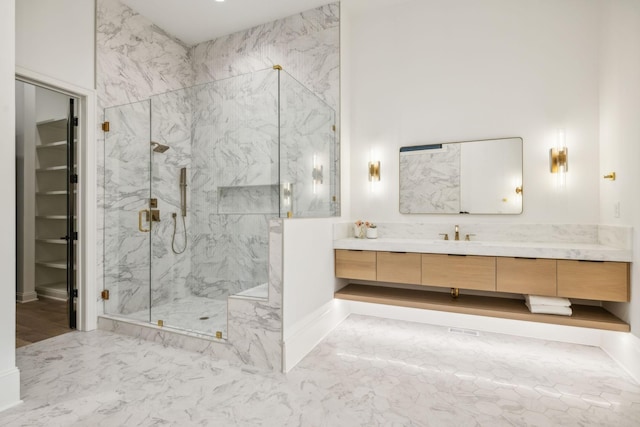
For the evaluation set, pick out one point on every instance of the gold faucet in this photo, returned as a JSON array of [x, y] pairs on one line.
[[457, 235]]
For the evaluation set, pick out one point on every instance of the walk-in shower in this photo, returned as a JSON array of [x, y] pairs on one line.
[[250, 148]]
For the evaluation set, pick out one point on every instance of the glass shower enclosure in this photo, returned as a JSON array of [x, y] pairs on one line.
[[192, 179]]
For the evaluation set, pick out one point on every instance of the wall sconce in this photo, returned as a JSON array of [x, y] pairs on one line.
[[286, 193], [317, 174], [559, 158], [374, 171]]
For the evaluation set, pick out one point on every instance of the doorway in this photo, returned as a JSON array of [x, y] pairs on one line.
[[46, 236]]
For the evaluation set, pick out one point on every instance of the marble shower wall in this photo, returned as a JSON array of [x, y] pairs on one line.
[[306, 45], [234, 190], [135, 60], [170, 125]]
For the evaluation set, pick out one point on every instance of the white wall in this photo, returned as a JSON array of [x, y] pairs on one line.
[[308, 275], [427, 71], [56, 38], [9, 374], [620, 132], [26, 188], [50, 105]]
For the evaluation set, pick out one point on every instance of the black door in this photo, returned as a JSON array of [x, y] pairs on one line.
[[72, 235]]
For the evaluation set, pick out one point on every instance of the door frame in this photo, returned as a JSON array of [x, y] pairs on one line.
[[86, 206]]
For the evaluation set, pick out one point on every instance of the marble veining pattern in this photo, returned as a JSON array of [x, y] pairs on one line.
[[368, 371], [440, 170], [564, 241], [134, 60], [227, 253], [503, 232], [254, 334]]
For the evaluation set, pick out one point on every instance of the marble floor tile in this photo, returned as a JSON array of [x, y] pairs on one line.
[[367, 372]]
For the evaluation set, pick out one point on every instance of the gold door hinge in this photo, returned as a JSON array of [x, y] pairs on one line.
[[161, 323], [333, 128], [105, 294], [105, 126], [219, 335]]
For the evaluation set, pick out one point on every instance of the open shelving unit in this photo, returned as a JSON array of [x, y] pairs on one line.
[[51, 209], [506, 308]]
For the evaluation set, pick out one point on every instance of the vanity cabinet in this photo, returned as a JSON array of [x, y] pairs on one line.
[[590, 280], [606, 281], [356, 264], [529, 276], [399, 267], [459, 271]]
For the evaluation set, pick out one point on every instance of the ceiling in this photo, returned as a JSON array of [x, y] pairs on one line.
[[195, 21]]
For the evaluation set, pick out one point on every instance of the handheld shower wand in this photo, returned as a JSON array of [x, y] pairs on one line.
[[183, 209], [183, 191]]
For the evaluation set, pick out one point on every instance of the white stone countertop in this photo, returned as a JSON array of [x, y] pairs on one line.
[[563, 250]]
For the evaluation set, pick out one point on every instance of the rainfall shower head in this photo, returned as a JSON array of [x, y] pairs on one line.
[[159, 148]]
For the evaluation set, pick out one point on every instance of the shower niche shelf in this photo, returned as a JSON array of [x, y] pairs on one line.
[[249, 199]]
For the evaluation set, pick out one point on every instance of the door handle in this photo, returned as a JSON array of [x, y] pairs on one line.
[[146, 212]]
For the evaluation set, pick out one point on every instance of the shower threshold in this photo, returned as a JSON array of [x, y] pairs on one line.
[[193, 315]]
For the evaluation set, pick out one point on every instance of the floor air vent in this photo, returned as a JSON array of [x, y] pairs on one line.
[[464, 332]]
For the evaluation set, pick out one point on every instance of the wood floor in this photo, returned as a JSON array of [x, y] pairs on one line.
[[39, 320]]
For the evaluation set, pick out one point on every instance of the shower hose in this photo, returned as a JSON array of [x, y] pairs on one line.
[[173, 238]]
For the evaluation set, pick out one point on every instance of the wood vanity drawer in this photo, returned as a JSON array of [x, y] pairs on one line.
[[399, 267], [356, 264], [533, 276], [605, 281], [465, 272]]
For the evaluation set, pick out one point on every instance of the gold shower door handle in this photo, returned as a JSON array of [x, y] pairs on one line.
[[146, 212]]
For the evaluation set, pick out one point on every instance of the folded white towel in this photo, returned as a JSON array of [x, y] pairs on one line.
[[539, 300], [549, 309]]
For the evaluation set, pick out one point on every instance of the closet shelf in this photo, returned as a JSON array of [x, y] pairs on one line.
[[53, 193], [57, 144], [53, 241], [60, 264], [54, 123], [52, 217], [53, 169], [51, 213]]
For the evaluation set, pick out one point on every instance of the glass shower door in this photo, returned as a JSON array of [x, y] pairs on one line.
[[308, 152], [127, 177]]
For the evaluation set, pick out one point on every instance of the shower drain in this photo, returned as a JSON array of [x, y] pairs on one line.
[[204, 318]]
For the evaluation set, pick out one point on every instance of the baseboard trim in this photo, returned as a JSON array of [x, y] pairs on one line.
[[308, 332], [9, 388], [24, 297], [624, 348]]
